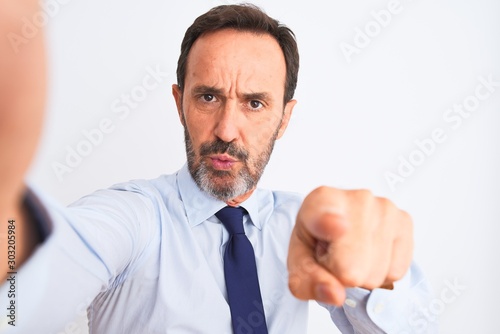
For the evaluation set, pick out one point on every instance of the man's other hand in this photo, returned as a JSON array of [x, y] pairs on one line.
[[22, 99]]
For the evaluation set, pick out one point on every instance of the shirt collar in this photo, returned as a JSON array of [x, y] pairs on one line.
[[200, 206]]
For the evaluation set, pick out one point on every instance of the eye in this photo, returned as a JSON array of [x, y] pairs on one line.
[[255, 105], [208, 97]]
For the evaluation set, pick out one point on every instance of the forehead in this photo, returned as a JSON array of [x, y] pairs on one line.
[[230, 57]]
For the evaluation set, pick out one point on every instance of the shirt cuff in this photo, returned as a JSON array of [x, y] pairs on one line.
[[400, 310], [38, 213]]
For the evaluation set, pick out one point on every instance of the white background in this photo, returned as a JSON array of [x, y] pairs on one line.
[[353, 120]]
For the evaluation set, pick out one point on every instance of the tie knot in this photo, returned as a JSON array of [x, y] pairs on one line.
[[232, 219]]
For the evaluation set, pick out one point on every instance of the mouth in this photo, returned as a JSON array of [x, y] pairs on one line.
[[222, 161]]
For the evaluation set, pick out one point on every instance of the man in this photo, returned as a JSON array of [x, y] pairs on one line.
[[167, 255]]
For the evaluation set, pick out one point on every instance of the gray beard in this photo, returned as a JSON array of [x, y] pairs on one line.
[[234, 186]]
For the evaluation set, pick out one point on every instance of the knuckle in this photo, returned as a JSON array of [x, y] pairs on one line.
[[396, 274], [322, 191], [361, 196], [385, 203], [386, 208], [363, 193], [406, 221], [294, 285], [351, 278], [406, 218], [308, 266]]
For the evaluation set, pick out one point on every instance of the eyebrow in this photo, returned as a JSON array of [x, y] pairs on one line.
[[204, 89], [257, 96]]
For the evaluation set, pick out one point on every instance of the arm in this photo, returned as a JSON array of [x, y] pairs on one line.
[[92, 245], [56, 280], [22, 97], [400, 310]]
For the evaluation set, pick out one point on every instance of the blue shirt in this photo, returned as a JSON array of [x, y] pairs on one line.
[[146, 257]]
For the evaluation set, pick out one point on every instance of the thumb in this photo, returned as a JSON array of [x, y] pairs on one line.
[[322, 214], [327, 226]]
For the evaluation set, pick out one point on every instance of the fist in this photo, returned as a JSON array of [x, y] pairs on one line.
[[347, 238]]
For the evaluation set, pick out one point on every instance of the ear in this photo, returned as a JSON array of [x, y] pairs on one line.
[[177, 93], [286, 117]]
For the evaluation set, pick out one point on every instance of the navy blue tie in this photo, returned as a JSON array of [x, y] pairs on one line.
[[240, 272]]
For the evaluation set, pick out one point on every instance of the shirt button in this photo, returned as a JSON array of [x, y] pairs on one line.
[[379, 308], [350, 302]]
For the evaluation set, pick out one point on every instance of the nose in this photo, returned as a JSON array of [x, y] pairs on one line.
[[227, 127]]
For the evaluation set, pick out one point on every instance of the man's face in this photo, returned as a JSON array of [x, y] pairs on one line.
[[232, 109]]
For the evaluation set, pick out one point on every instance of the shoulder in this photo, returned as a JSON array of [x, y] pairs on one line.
[[148, 187], [281, 201], [287, 199], [133, 194]]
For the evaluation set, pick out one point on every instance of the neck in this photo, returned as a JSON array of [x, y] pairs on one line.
[[240, 199]]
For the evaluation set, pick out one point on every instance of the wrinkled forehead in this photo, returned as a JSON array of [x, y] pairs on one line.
[[230, 57]]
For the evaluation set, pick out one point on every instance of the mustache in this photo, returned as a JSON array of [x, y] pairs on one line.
[[219, 147]]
